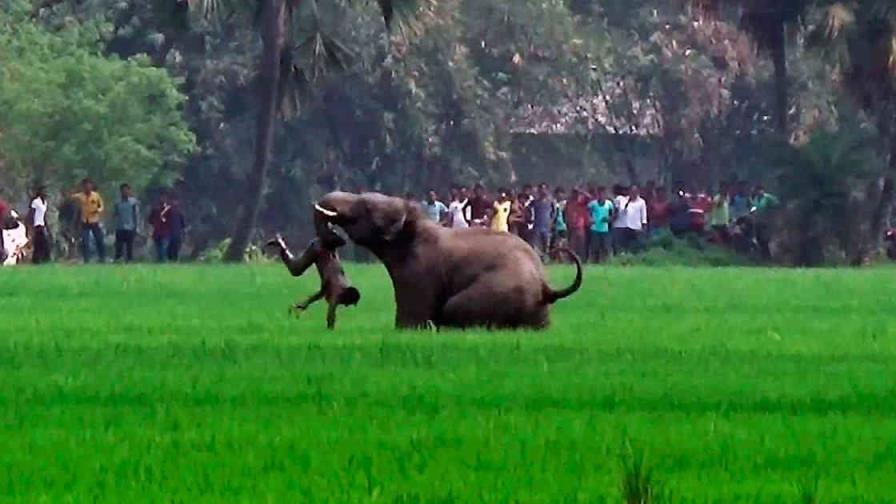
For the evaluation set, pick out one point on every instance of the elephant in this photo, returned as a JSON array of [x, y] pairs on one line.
[[453, 278]]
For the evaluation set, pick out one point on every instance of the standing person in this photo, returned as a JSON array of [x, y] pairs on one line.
[[679, 212], [620, 233], [177, 227], [458, 210], [649, 193], [700, 207], [464, 193], [660, 210], [500, 220], [91, 207], [634, 216], [161, 227], [127, 217], [601, 214], [434, 208], [527, 222], [522, 220], [480, 207], [720, 215], [740, 202], [40, 233], [577, 221], [559, 238], [543, 209], [762, 205]]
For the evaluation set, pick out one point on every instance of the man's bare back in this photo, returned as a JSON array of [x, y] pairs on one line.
[[335, 287]]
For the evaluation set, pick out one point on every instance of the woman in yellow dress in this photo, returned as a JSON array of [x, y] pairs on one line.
[[501, 213]]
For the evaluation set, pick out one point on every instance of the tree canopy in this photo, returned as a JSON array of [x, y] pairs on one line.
[[69, 111], [568, 91]]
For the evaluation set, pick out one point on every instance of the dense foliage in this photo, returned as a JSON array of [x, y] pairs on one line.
[[70, 112], [569, 91]]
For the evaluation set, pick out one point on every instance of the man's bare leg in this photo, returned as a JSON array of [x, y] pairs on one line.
[[296, 266]]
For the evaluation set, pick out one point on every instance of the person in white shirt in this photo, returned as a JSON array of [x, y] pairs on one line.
[[40, 233], [634, 219], [619, 228], [15, 239], [458, 210]]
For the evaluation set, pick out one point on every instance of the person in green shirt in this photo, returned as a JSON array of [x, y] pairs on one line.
[[762, 205], [763, 201], [559, 237], [601, 212]]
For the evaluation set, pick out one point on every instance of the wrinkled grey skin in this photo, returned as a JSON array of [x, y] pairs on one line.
[[447, 277]]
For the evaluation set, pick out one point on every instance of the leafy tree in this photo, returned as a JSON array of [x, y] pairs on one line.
[[295, 51], [70, 112], [767, 21], [823, 180], [860, 39]]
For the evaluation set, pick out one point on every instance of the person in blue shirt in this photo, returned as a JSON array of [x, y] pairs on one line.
[[435, 209], [127, 221], [740, 202], [601, 212]]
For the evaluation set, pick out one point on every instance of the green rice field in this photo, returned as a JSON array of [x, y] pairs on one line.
[[194, 384]]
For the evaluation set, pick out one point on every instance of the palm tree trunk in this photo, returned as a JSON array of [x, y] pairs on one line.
[[779, 59], [273, 33]]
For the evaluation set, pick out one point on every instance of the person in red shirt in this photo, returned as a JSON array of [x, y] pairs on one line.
[[577, 221], [659, 209], [480, 206], [701, 205], [160, 220]]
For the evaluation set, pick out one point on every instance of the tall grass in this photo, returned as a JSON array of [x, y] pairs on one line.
[[193, 384], [639, 486]]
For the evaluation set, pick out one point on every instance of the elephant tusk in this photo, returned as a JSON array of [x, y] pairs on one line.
[[328, 213]]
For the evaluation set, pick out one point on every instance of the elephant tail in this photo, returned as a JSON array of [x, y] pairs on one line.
[[552, 296]]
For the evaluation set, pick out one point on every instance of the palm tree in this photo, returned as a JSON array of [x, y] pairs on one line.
[[767, 22], [280, 73], [861, 37]]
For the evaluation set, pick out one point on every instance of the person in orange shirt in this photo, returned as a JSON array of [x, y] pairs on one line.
[[577, 221], [91, 206]]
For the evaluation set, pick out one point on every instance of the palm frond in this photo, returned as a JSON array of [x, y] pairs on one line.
[[838, 17], [207, 8], [293, 87], [407, 16], [320, 54], [215, 9]]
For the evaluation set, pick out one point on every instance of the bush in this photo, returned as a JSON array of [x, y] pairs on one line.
[[665, 249]]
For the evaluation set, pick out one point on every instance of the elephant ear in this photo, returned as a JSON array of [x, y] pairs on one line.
[[388, 216]]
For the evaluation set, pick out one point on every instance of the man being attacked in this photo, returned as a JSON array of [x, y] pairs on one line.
[[334, 285]]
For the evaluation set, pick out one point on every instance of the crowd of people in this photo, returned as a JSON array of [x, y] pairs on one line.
[[597, 223], [594, 222], [84, 211]]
